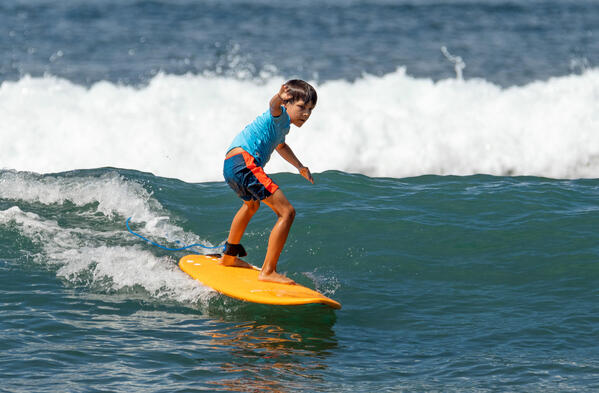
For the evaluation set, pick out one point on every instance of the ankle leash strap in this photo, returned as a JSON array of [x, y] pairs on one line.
[[234, 250]]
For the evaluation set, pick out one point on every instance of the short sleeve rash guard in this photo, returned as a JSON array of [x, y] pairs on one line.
[[261, 137]]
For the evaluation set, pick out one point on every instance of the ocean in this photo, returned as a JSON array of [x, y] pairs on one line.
[[455, 152]]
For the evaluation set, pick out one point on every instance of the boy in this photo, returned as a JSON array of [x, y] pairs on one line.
[[245, 158]]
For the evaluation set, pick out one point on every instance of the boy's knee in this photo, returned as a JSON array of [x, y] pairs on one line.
[[289, 213], [252, 206]]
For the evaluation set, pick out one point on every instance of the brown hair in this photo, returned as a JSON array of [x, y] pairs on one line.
[[301, 90]]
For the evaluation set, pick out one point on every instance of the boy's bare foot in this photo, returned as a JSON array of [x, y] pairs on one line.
[[275, 277], [228, 260]]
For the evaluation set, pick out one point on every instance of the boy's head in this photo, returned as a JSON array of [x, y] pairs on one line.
[[303, 100], [301, 90]]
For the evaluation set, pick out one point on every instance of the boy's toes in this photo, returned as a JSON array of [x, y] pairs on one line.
[[234, 262], [276, 277]]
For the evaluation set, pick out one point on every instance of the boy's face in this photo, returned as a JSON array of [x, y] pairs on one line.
[[299, 112]]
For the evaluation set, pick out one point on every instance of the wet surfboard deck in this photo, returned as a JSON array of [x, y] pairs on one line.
[[243, 284]]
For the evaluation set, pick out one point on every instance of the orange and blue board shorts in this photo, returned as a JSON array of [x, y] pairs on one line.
[[247, 179]]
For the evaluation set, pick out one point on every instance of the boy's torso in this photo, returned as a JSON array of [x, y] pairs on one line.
[[262, 136]]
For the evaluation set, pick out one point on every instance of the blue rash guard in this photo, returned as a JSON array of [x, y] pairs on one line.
[[262, 136]]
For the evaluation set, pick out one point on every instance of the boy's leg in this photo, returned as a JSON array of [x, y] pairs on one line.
[[238, 226], [285, 213]]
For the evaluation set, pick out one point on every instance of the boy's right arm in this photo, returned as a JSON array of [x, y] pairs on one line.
[[279, 99]]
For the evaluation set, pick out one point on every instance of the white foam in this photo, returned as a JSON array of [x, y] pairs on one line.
[[127, 267], [395, 125], [83, 252], [110, 192], [78, 253], [113, 194]]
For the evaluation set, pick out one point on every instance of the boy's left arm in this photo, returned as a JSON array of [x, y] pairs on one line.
[[285, 151]]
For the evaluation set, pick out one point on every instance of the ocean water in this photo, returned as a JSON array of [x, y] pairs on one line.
[[455, 148]]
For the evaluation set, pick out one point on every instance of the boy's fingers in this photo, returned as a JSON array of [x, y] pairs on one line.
[[284, 93], [307, 174]]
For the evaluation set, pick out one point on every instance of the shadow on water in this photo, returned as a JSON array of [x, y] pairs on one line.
[[271, 348]]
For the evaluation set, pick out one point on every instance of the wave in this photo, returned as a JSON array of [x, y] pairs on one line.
[[73, 224], [390, 126]]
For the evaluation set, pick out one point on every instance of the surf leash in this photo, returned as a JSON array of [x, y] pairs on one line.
[[168, 248]]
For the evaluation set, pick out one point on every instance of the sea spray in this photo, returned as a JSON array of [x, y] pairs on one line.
[[391, 126], [76, 227]]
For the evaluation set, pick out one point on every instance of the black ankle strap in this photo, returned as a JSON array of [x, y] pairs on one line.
[[234, 250]]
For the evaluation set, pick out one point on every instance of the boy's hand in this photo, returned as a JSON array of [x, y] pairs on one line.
[[284, 93], [279, 99], [305, 172]]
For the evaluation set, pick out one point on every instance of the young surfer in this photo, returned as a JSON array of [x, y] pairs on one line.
[[243, 171]]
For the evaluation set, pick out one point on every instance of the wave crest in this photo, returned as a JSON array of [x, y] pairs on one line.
[[391, 126]]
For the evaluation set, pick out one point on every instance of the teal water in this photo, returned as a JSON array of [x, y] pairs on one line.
[[474, 283]]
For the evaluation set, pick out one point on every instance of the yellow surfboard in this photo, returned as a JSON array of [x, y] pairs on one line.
[[242, 283]]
